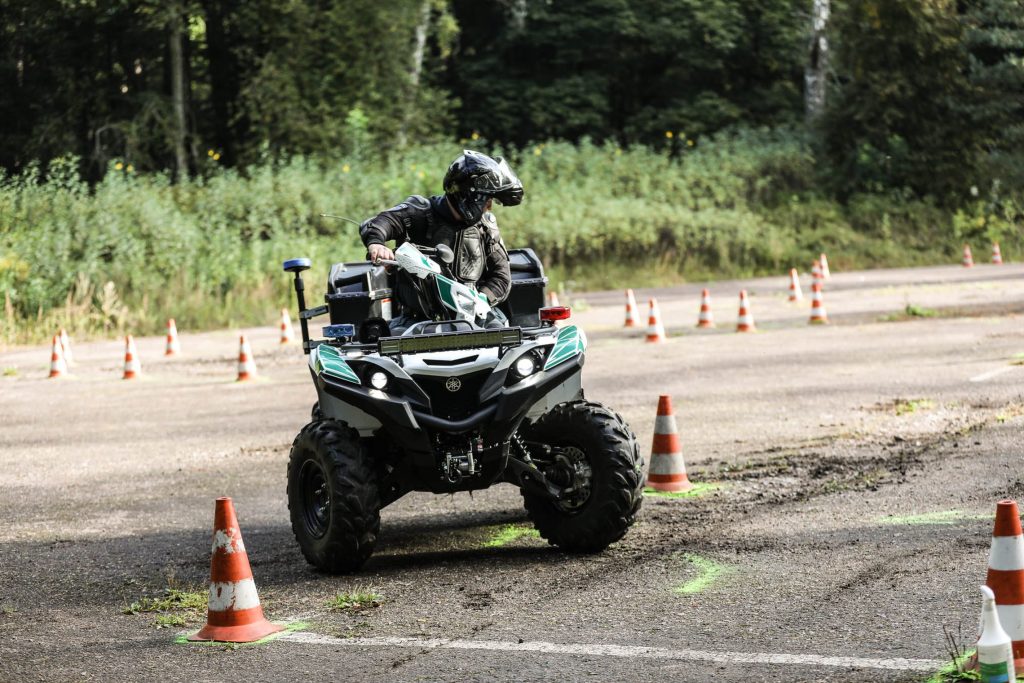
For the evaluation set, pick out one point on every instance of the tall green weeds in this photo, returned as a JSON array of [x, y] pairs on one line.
[[135, 249]]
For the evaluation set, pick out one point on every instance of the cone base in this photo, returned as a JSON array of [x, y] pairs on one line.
[[746, 328], [129, 375], [655, 340], [244, 633], [670, 487], [705, 325], [630, 324], [818, 321], [245, 378]]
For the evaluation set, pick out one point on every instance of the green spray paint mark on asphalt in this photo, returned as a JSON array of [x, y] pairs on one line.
[[699, 489], [512, 532], [182, 639], [709, 571], [941, 517]]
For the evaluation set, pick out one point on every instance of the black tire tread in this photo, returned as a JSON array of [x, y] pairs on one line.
[[355, 502], [617, 484]]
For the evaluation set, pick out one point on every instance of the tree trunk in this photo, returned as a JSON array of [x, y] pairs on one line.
[[223, 80], [178, 94], [418, 50], [816, 72]]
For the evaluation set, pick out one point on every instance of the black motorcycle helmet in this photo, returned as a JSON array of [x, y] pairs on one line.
[[473, 178]]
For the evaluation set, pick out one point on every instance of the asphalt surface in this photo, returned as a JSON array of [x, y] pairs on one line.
[[857, 465]]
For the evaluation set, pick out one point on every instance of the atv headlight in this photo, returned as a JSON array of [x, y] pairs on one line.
[[379, 380], [525, 366]]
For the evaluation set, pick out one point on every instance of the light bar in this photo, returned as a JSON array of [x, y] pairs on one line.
[[450, 341]]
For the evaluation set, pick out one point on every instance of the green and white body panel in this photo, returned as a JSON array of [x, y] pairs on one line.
[[462, 299], [557, 347]]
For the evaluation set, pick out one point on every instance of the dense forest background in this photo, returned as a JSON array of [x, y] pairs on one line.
[[167, 154]]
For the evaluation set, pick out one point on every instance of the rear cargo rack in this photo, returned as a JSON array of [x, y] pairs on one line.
[[450, 341]]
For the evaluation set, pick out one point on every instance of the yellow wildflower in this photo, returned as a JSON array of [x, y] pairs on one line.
[[689, 143], [668, 134], [118, 166], [346, 168], [421, 175], [209, 152], [130, 168], [216, 157], [475, 135], [537, 151]]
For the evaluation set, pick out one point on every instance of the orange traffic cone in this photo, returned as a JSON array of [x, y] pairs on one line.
[[997, 255], [968, 258], [631, 312], [58, 366], [795, 293], [553, 299], [132, 369], [246, 364], [818, 314], [65, 345], [1006, 574], [705, 319], [173, 346], [816, 272], [745, 323], [655, 330], [234, 613], [668, 471], [823, 262], [286, 327]]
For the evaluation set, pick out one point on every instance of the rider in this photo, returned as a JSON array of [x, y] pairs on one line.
[[461, 219]]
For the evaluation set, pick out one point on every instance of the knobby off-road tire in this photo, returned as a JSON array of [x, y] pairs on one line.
[[616, 482], [332, 497]]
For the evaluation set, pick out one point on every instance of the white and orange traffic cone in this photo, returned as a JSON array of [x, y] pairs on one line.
[[968, 257], [667, 471], [705, 318], [997, 255], [631, 310], [1006, 575], [816, 272], [818, 314], [65, 345], [823, 262], [286, 327], [132, 368], [173, 345], [655, 330], [234, 613], [795, 293], [58, 366], [246, 363], [745, 322], [553, 299]]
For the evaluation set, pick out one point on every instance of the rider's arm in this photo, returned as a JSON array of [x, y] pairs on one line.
[[393, 223], [497, 278]]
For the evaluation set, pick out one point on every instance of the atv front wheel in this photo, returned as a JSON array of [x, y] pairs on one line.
[[332, 497], [594, 457]]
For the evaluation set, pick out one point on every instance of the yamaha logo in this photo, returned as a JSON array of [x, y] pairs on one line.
[[453, 384]]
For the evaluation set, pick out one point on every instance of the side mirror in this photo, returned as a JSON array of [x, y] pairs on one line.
[[445, 253]]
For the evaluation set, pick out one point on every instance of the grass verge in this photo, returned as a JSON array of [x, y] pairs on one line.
[[356, 601]]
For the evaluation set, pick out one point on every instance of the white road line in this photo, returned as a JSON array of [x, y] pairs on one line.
[[897, 664], [992, 373]]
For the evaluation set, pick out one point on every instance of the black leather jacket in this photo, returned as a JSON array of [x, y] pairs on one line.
[[480, 255]]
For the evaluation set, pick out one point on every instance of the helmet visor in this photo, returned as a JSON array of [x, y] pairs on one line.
[[501, 183]]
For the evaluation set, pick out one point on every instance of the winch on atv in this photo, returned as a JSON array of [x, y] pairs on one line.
[[451, 404]]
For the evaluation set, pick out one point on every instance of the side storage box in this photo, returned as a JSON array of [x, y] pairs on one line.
[[526, 297], [357, 291]]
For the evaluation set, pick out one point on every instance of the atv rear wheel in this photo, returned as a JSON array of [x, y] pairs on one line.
[[597, 460], [332, 497]]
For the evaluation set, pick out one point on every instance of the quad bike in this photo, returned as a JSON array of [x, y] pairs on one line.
[[452, 404]]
